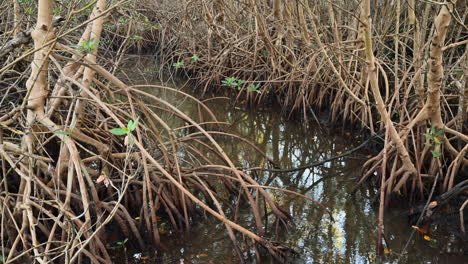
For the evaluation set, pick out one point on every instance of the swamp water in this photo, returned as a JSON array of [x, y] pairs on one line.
[[350, 238]]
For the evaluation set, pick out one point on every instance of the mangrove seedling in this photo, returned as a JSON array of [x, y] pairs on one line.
[[254, 88], [86, 46], [194, 58], [121, 244], [178, 64], [230, 82], [120, 131], [433, 140], [233, 82]]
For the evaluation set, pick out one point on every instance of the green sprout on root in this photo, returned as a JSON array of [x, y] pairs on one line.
[[127, 131], [178, 64], [254, 88], [194, 58], [87, 46], [234, 82], [433, 140], [120, 244], [230, 82]]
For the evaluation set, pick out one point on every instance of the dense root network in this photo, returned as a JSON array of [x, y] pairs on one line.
[[80, 150]]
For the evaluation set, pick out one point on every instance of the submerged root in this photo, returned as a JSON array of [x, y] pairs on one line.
[[123, 164]]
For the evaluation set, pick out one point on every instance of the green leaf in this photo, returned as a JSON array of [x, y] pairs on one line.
[[195, 58], [428, 144], [433, 130], [428, 135], [62, 133], [439, 133], [119, 131], [436, 153], [254, 88], [178, 64], [240, 82], [121, 243], [230, 81], [133, 124]]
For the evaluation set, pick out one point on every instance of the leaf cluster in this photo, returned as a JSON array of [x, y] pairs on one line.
[[433, 140], [232, 82], [254, 88], [87, 46], [235, 82], [120, 244], [181, 64], [131, 126], [178, 64]]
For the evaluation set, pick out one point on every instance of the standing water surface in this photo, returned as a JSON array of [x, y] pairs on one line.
[[350, 238]]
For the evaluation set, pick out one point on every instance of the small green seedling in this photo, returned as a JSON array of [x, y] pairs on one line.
[[194, 58], [433, 140], [178, 64], [254, 88], [240, 83], [87, 46], [233, 82], [120, 244], [230, 82], [127, 131]]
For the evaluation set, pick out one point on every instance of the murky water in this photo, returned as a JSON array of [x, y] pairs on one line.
[[350, 238]]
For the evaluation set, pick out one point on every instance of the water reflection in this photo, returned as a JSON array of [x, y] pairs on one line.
[[351, 238]]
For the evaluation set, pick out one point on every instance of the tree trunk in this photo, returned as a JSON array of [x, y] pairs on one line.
[[408, 166], [37, 86]]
